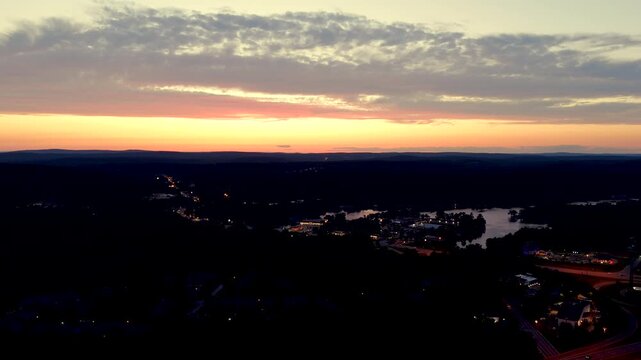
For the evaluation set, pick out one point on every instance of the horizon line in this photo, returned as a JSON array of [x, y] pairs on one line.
[[356, 151]]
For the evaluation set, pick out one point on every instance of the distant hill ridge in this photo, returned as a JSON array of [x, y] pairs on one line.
[[101, 156]]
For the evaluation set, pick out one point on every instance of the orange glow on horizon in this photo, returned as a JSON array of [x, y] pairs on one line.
[[19, 132]]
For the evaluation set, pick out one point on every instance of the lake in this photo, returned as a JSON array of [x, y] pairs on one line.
[[497, 224], [349, 216]]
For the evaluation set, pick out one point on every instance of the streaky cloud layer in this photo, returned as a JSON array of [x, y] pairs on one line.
[[145, 62]]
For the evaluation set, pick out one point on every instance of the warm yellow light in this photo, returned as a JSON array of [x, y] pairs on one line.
[[297, 135]]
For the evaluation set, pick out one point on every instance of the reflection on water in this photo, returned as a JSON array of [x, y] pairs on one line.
[[498, 223], [360, 214], [497, 220], [349, 216], [598, 202]]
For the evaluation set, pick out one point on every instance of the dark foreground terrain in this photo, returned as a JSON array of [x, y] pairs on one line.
[[120, 247]]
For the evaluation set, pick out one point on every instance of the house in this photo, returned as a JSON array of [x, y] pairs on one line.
[[575, 313]]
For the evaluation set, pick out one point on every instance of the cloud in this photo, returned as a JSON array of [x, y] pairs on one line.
[[284, 146], [142, 61]]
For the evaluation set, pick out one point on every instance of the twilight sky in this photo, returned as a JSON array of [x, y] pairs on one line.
[[297, 76]]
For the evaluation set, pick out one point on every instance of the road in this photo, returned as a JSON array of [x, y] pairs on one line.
[[602, 350], [602, 347], [622, 275], [619, 275], [606, 349], [628, 351], [542, 343]]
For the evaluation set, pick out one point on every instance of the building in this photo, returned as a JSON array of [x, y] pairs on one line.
[[527, 280], [307, 227], [604, 259], [314, 223], [576, 313]]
